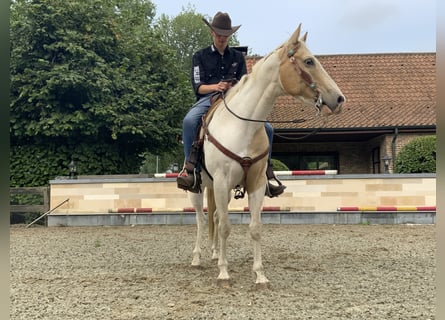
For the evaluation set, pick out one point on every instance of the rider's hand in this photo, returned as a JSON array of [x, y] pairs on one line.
[[223, 86]]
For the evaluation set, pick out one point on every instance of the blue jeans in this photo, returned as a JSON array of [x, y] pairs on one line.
[[192, 122]]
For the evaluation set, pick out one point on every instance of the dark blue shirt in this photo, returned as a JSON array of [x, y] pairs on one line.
[[210, 67]]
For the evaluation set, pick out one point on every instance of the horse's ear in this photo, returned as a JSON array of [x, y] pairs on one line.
[[293, 40], [304, 37]]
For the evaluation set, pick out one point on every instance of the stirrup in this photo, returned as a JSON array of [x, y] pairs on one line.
[[239, 194], [274, 191], [190, 182]]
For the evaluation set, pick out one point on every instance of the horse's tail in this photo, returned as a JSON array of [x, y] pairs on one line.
[[211, 207]]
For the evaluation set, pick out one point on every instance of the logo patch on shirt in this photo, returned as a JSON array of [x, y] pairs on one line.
[[196, 76]]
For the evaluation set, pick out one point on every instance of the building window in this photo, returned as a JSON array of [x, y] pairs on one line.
[[309, 161], [376, 160]]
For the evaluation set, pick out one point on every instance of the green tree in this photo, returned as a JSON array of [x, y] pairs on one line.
[[417, 156], [90, 79]]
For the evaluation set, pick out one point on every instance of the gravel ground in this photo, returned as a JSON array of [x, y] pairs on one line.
[[144, 272]]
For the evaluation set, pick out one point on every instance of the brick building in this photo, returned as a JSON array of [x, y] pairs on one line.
[[390, 99]]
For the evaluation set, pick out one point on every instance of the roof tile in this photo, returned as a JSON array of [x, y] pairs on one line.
[[395, 89]]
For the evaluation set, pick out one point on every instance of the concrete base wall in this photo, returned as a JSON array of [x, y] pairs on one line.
[[244, 218]]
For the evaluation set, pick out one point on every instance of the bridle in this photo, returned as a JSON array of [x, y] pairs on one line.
[[308, 80], [305, 76]]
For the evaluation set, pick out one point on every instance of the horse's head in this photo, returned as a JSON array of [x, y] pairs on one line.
[[302, 76]]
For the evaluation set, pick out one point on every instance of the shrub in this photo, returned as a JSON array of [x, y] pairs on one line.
[[417, 156], [278, 165]]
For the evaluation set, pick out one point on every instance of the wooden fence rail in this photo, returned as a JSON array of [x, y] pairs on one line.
[[24, 208]]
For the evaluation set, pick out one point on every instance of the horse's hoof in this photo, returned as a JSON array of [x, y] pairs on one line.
[[223, 283], [262, 286], [196, 263]]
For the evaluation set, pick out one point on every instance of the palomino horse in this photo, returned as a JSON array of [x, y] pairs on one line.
[[235, 149]]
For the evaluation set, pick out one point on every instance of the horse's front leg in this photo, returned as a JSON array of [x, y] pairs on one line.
[[197, 202], [255, 205]]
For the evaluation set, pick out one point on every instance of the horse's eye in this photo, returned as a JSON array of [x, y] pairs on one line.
[[309, 62]]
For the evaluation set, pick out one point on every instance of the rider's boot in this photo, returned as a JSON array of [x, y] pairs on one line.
[[189, 178], [271, 189]]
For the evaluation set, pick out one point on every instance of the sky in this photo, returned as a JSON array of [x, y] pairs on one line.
[[333, 26]]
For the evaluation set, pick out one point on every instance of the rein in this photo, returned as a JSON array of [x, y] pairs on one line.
[[278, 121]]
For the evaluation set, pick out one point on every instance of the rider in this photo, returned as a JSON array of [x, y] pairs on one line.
[[215, 69]]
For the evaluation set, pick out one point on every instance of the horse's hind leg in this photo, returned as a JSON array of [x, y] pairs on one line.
[[255, 204], [197, 201], [215, 237], [213, 223], [221, 200]]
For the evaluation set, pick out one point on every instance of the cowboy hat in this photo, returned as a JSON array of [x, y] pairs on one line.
[[222, 24]]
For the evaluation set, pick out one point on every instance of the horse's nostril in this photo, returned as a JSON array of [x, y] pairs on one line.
[[341, 99]]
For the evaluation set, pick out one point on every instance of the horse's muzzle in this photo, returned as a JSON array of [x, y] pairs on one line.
[[332, 108]]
